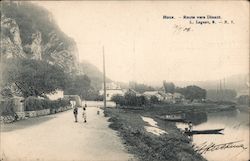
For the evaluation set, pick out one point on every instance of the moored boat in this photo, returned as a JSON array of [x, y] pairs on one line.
[[174, 118], [211, 131]]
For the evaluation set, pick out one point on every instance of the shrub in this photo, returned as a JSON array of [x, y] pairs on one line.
[[141, 100], [34, 103], [6, 107], [118, 99], [99, 98], [129, 100], [154, 99]]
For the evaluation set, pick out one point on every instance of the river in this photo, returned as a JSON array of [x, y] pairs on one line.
[[236, 124]]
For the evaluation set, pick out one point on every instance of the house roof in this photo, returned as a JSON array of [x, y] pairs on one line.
[[151, 93]]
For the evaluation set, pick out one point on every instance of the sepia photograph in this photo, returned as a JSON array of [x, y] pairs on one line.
[[125, 80]]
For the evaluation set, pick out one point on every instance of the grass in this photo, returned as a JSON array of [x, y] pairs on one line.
[[146, 146]]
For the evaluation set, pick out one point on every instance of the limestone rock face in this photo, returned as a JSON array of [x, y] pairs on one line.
[[57, 52], [11, 44], [29, 31], [34, 50]]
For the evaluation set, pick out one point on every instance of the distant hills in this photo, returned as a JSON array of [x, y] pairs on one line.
[[239, 83], [93, 73]]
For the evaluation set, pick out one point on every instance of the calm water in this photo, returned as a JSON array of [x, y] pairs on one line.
[[236, 126]]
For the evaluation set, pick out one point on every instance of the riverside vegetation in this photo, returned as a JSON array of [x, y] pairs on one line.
[[146, 146], [173, 146]]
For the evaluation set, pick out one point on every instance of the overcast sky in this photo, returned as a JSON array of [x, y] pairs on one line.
[[140, 45]]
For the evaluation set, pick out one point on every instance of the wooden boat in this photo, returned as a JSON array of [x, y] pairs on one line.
[[173, 118], [212, 131]]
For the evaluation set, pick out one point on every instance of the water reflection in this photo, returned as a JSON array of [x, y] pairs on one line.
[[196, 118], [236, 128]]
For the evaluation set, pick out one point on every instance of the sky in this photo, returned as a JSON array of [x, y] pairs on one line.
[[140, 45]]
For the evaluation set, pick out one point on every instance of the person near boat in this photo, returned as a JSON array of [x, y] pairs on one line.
[[190, 126]]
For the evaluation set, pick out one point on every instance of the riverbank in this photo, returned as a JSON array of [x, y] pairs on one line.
[[147, 146], [244, 108]]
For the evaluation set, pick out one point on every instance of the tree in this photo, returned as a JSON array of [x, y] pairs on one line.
[[221, 95], [6, 92], [193, 92], [154, 99], [130, 99], [169, 87], [141, 100], [79, 85], [243, 100], [93, 95], [119, 99], [141, 88], [228, 94], [33, 77]]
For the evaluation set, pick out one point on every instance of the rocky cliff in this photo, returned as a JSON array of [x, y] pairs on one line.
[[29, 31]]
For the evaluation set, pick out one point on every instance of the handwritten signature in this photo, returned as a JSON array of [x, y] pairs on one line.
[[205, 147], [179, 28]]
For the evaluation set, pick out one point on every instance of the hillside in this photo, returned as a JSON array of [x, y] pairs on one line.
[[29, 31], [93, 73]]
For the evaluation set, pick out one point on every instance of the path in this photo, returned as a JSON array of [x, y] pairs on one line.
[[58, 138]]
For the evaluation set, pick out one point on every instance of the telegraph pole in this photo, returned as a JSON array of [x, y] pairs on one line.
[[104, 79]]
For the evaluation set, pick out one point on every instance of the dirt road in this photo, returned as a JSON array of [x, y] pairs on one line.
[[58, 138]]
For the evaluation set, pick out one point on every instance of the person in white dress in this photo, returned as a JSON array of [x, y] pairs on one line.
[[84, 116]]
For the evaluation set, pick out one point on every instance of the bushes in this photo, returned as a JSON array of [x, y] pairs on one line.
[[33, 77], [129, 100], [118, 99], [7, 107], [243, 100], [154, 100], [34, 103]]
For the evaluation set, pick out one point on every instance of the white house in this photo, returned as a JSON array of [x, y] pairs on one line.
[[111, 90], [149, 94], [178, 97], [168, 97]]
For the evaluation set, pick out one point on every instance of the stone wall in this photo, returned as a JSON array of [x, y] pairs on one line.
[[37, 113], [61, 109], [45, 112], [21, 115], [31, 114]]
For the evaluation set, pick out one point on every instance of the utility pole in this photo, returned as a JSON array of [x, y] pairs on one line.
[[224, 83], [221, 94], [104, 79]]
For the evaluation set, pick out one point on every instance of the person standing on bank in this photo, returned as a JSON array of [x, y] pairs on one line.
[[75, 112], [84, 116], [190, 126]]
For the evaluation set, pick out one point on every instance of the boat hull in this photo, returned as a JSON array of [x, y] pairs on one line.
[[213, 131]]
